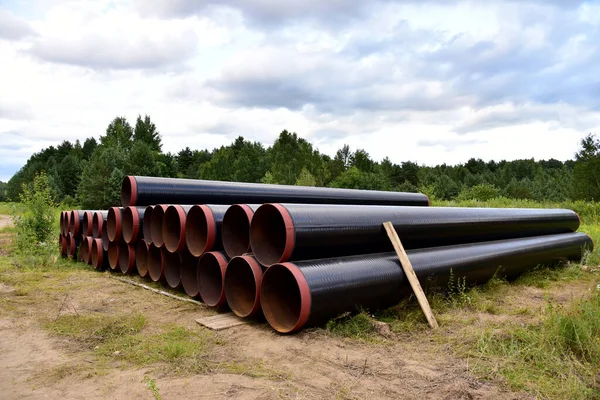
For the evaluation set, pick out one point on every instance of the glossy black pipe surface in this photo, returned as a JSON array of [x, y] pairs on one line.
[[281, 232], [145, 190], [294, 295]]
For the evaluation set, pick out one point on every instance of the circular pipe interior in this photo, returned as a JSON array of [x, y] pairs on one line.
[[281, 299], [105, 241], [126, 258], [235, 230], [200, 230], [271, 234], [97, 253], [189, 273], [130, 224], [86, 224], [242, 287], [67, 222], [83, 251], [97, 224], [63, 245], [74, 222], [71, 245], [147, 223], [129, 191], [141, 258], [155, 263], [156, 224], [113, 255], [172, 268], [113, 224], [211, 271], [173, 228]]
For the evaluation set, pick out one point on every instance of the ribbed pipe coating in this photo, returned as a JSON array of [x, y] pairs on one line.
[[211, 273], [98, 220], [141, 257], [173, 227], [155, 263], [156, 222], [144, 190], [281, 232], [242, 283], [172, 268], [235, 229], [131, 224], [126, 258], [294, 295], [203, 228], [189, 273]]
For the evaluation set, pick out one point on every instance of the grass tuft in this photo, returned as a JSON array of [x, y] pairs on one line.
[[359, 326]]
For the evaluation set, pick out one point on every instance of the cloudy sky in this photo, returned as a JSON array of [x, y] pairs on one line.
[[430, 81]]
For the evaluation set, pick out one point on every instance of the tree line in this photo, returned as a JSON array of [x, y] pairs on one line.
[[90, 174]]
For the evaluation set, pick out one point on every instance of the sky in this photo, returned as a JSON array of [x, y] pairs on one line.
[[431, 81]]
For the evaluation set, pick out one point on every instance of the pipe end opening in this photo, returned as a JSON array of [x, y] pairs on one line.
[[272, 235]]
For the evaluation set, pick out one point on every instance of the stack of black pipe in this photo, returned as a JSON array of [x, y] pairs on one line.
[[301, 255]]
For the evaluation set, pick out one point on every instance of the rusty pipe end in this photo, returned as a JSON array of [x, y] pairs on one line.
[[156, 224], [146, 223], [285, 297], [74, 226], [97, 220], [130, 224], [155, 263], [272, 234], [172, 268], [173, 228], [87, 223], [113, 255], [126, 258], [141, 257], [200, 230], [98, 255], [129, 191], [243, 279], [114, 224], [235, 230], [211, 273], [63, 245], [189, 273], [105, 241]]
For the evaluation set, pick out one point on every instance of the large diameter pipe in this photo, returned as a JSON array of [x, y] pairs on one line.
[[114, 221], [173, 227], [172, 268], [99, 257], [113, 255], [211, 273], [75, 222], [61, 223], [126, 258], [294, 295], [155, 263], [98, 221], [144, 190], [146, 221], [189, 273], [87, 223], [62, 240], [85, 249], [156, 222], [242, 283], [72, 245], [203, 228], [104, 237], [141, 257], [235, 230], [281, 232], [132, 223]]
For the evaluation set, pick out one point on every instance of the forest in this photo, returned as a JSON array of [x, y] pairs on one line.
[[90, 174]]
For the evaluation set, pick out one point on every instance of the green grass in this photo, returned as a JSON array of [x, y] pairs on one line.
[[359, 326], [8, 208]]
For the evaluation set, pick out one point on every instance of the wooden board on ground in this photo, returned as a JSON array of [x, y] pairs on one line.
[[221, 321]]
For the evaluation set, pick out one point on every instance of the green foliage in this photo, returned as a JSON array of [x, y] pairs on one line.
[[586, 174], [101, 179], [145, 132], [35, 227], [359, 326], [481, 192], [306, 178], [458, 293], [3, 196]]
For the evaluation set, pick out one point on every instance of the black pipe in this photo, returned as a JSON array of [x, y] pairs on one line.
[[156, 221], [172, 268], [114, 220], [98, 223], [145, 190], [146, 223], [294, 295], [281, 232], [131, 224], [99, 256], [203, 228], [242, 283], [235, 229], [141, 257], [173, 227], [211, 272], [189, 273]]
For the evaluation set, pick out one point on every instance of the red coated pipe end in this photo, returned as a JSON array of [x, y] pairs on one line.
[[129, 192], [71, 245], [113, 255], [147, 221], [156, 224], [85, 249], [172, 269], [97, 222], [243, 279], [155, 263], [173, 228], [67, 222], [189, 273], [105, 241], [235, 230], [74, 227], [63, 245], [126, 258], [141, 258], [130, 224], [272, 234], [114, 224], [211, 273], [97, 254], [200, 230], [285, 298], [87, 223]]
